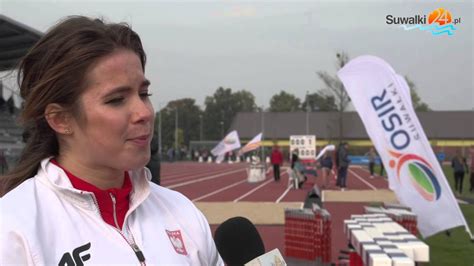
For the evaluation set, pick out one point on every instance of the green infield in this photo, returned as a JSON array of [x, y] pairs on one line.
[[455, 249]]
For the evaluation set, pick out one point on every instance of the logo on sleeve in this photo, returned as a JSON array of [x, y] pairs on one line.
[[177, 241], [77, 258]]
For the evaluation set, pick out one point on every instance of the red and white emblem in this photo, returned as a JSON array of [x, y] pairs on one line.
[[177, 241]]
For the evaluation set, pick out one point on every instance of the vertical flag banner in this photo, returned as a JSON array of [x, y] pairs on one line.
[[382, 99], [254, 144], [229, 143]]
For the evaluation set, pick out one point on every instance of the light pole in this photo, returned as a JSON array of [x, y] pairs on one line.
[[222, 129], [160, 145], [262, 148], [200, 128], [307, 113], [159, 132], [176, 130]]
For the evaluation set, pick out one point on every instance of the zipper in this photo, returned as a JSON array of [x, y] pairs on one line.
[[132, 244], [114, 203]]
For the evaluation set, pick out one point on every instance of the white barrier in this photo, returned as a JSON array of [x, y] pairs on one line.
[[380, 241]]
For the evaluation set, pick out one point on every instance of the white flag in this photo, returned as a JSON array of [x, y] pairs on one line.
[[255, 143], [229, 143], [384, 105], [327, 148]]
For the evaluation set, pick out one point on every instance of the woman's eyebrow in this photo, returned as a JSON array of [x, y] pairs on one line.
[[127, 88]]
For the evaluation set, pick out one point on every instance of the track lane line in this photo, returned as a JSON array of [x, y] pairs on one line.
[[361, 179], [204, 179], [253, 190], [219, 190], [172, 181]]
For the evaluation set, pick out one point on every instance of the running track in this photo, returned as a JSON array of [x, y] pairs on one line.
[[227, 183]]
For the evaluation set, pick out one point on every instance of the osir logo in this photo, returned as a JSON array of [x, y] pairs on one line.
[[395, 123], [420, 173]]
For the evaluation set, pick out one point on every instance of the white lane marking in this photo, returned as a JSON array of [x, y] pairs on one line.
[[284, 194], [219, 190], [361, 179], [286, 191], [365, 170], [253, 190], [204, 178], [169, 180]]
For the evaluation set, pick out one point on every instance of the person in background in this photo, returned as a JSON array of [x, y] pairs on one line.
[[276, 160], [326, 166], [170, 154], [80, 193], [294, 158], [298, 172], [372, 155], [343, 165], [459, 165]]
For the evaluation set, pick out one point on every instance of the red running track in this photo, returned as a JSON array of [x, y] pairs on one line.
[[227, 182]]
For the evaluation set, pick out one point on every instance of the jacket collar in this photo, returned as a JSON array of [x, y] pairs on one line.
[[56, 179]]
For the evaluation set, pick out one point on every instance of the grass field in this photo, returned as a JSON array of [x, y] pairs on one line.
[[456, 249]]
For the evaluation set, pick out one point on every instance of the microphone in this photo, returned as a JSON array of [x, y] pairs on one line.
[[238, 241]]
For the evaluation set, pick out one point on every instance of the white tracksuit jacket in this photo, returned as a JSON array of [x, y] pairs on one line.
[[45, 221]]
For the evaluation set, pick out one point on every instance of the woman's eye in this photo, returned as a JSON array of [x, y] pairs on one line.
[[115, 101], [145, 94]]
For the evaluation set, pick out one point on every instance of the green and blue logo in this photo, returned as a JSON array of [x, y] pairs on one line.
[[420, 172]]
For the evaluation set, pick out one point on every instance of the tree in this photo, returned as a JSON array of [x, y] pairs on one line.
[[284, 102], [335, 88], [221, 108], [418, 105], [188, 122], [319, 102]]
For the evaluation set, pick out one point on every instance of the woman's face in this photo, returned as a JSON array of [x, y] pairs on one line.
[[115, 127]]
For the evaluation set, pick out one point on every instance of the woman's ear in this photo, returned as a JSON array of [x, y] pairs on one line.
[[58, 118]]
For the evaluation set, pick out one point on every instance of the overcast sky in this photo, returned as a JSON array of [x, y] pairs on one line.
[[194, 47]]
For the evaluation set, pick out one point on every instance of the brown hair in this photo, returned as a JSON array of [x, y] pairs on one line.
[[54, 71]]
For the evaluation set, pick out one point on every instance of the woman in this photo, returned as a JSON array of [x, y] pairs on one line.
[[326, 166], [80, 193], [372, 155], [459, 165]]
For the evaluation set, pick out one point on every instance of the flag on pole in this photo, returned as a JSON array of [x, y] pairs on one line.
[[229, 143], [327, 148], [382, 99], [254, 144]]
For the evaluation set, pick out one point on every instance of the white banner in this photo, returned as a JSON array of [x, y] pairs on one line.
[[255, 143], [229, 143], [327, 148], [382, 99]]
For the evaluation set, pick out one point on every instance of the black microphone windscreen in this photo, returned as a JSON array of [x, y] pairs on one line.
[[238, 241]]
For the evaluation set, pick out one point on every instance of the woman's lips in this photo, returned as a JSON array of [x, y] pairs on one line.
[[143, 140]]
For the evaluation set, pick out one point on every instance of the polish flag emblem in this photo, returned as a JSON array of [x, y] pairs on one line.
[[177, 241]]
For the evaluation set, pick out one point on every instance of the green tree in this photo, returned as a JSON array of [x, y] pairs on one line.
[[221, 108], [188, 122], [418, 105], [319, 102], [284, 102], [335, 88]]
